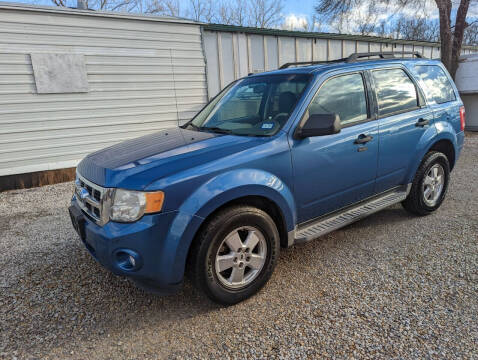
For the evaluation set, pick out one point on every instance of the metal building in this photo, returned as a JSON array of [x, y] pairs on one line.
[[117, 76], [234, 51], [74, 81], [467, 83]]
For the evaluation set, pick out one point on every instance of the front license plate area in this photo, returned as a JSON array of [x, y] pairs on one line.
[[78, 221]]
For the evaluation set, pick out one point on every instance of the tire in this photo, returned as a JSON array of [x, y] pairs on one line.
[[213, 259], [421, 202]]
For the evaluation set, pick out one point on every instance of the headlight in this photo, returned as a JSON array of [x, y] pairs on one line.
[[129, 206]]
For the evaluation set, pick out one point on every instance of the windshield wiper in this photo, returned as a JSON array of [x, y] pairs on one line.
[[195, 127], [216, 129]]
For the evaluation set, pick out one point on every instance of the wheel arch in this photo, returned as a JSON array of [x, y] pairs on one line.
[[446, 147], [258, 201], [444, 142], [245, 186]]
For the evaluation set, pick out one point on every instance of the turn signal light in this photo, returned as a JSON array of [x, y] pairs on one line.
[[154, 202]]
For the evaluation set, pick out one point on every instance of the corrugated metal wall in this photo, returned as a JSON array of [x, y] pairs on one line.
[[143, 74], [233, 52]]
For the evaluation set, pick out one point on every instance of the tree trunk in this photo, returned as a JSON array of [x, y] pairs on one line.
[[460, 25], [444, 11]]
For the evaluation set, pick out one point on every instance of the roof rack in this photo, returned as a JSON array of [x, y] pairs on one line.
[[382, 55], [355, 57]]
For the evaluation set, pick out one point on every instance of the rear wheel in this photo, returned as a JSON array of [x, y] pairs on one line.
[[235, 254], [430, 184]]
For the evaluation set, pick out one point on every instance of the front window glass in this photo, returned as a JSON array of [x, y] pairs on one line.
[[255, 106], [395, 91], [437, 86], [343, 95]]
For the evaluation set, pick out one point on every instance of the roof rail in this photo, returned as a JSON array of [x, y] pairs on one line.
[[289, 64], [355, 57], [382, 55]]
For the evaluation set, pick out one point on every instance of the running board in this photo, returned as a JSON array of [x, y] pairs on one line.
[[337, 220]]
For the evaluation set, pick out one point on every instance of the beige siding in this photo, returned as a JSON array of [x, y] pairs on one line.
[[143, 75]]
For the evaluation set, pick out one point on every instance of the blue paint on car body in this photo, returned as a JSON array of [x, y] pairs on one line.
[[202, 170]]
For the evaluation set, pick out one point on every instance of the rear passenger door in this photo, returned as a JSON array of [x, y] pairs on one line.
[[440, 94], [403, 119]]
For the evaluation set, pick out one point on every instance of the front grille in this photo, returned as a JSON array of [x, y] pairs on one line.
[[93, 199]]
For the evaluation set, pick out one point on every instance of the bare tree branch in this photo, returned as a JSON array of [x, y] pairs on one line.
[[415, 27]]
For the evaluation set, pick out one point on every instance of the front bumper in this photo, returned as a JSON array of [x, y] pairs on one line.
[[156, 239]]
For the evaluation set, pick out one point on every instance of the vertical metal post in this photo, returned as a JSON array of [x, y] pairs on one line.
[[328, 49], [219, 60], [249, 55], [279, 63], [266, 57]]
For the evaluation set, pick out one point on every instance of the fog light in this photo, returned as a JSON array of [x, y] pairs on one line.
[[127, 260]]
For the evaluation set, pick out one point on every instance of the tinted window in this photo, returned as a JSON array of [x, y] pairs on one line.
[[395, 91], [437, 86], [256, 105], [343, 95], [244, 103]]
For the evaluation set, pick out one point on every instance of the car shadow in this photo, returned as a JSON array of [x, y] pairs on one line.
[[391, 215], [64, 296]]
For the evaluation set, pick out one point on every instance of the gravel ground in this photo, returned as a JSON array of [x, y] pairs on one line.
[[389, 286]]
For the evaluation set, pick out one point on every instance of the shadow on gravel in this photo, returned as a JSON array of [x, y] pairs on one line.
[[64, 296], [392, 215]]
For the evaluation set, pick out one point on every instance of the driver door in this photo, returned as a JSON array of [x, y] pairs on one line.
[[333, 171]]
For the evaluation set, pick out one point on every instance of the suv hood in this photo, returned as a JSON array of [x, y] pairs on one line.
[[134, 164]]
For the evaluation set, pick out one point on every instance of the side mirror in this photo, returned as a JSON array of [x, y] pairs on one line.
[[319, 124]]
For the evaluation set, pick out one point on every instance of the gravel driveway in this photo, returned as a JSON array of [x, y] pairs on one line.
[[391, 285]]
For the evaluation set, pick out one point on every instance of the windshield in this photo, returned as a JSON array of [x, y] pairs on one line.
[[253, 106]]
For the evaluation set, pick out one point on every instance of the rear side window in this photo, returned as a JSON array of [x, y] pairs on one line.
[[437, 86], [343, 95], [395, 91]]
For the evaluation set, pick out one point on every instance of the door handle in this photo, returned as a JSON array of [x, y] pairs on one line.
[[363, 139], [422, 122]]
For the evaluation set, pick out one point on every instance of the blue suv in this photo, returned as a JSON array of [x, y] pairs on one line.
[[275, 159]]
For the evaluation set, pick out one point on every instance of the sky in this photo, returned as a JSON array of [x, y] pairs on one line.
[[299, 7], [296, 13]]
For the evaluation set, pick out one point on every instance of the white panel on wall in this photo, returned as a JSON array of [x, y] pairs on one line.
[[398, 49], [427, 52], [374, 47], [59, 73], [320, 51], [466, 74], [407, 48], [227, 57], [287, 49], [349, 47], [362, 46], [212, 64], [387, 47], [144, 74], [242, 56], [272, 54], [304, 49], [335, 49], [257, 53]]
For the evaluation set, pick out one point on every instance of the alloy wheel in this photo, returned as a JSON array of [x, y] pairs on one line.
[[241, 257]]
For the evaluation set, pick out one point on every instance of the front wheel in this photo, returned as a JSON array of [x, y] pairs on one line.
[[430, 185], [235, 254]]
